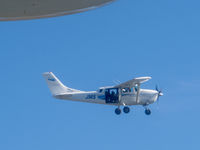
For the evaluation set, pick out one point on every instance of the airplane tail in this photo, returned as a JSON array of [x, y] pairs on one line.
[[56, 87]]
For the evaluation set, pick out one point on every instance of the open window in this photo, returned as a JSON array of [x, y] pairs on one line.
[[112, 95]]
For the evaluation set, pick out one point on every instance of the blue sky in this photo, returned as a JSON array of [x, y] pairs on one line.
[[120, 41]]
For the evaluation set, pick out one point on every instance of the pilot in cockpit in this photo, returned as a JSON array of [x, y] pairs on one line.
[[126, 90], [129, 90]]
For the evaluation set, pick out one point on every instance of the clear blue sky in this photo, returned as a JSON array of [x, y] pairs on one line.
[[120, 41]]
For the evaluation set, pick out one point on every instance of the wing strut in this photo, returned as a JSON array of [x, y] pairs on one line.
[[120, 95], [138, 92]]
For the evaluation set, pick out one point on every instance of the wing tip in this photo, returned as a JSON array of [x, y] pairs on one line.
[[147, 78]]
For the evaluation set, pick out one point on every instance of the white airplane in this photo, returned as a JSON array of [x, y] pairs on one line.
[[124, 94], [32, 9]]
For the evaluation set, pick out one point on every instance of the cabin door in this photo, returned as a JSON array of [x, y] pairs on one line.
[[112, 95]]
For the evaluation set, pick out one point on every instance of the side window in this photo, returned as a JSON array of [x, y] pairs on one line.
[[126, 90], [136, 88]]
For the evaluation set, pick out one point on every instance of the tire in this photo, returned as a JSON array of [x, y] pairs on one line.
[[147, 111], [126, 109], [117, 111]]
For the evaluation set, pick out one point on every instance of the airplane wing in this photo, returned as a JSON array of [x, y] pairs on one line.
[[133, 82], [33, 9]]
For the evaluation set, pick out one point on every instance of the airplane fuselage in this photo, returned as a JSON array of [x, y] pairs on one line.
[[145, 97]]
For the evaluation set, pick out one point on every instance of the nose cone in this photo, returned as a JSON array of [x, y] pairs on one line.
[[160, 94]]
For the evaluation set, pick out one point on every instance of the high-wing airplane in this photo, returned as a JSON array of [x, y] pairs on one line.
[[124, 94], [32, 9]]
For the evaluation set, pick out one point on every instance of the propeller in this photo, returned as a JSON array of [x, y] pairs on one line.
[[159, 92]]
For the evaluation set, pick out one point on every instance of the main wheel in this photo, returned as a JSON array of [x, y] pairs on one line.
[[118, 111], [147, 111], [126, 109]]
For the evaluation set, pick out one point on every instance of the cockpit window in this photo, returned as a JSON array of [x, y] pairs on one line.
[[100, 90], [125, 90]]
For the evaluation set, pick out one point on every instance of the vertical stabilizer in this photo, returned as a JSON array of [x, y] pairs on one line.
[[56, 87]]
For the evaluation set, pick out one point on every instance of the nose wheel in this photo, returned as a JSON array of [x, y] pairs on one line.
[[147, 111]]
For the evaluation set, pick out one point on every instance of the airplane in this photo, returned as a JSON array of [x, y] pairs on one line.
[[11, 10], [124, 94]]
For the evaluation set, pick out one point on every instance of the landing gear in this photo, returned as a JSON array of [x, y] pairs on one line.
[[147, 111], [118, 111], [126, 109]]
